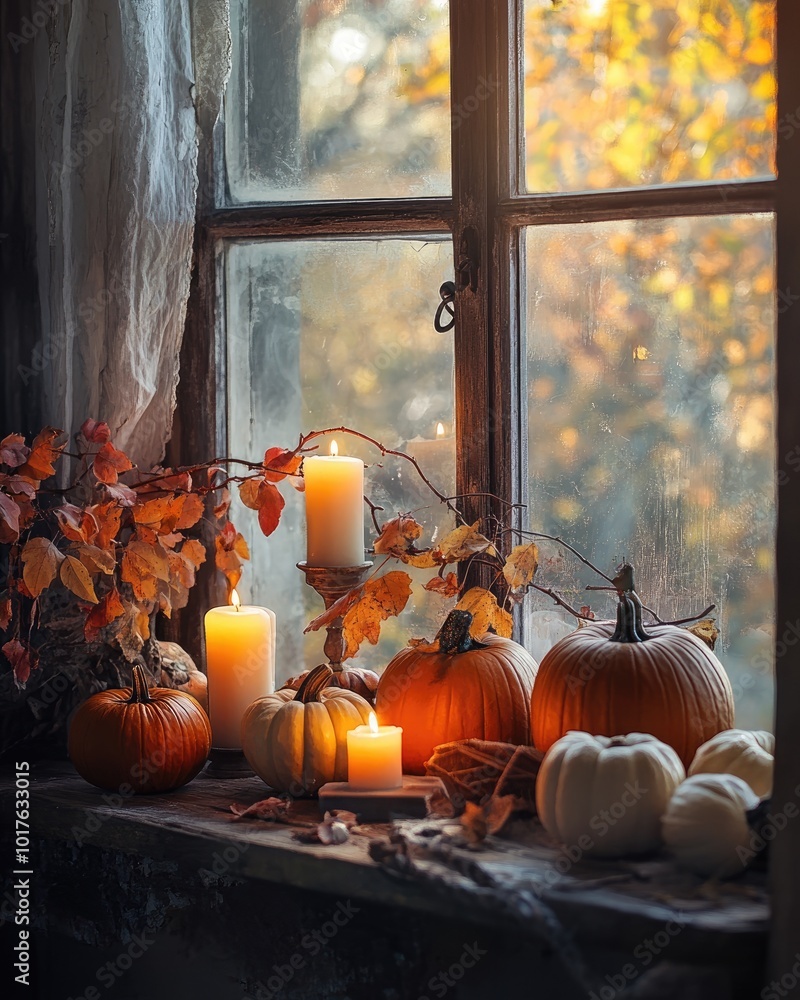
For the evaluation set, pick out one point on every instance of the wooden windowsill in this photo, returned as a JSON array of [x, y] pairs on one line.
[[604, 904]]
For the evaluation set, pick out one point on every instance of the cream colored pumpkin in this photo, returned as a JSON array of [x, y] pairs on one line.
[[297, 740], [606, 795], [705, 826], [747, 754]]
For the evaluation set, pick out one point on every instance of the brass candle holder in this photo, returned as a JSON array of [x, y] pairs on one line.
[[331, 583]]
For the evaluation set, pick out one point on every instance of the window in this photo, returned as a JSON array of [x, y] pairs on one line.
[[605, 201]]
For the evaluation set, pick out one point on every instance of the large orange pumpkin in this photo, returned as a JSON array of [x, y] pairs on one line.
[[466, 690], [608, 680], [139, 738]]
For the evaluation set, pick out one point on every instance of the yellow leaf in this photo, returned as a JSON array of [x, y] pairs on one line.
[[41, 560], [446, 586], [75, 577], [397, 536], [97, 560], [521, 566], [463, 542], [380, 599], [142, 566], [486, 613]]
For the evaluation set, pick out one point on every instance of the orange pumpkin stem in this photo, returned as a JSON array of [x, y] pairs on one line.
[[140, 692], [318, 679]]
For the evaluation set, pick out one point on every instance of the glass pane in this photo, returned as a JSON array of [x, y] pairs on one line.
[[338, 99], [651, 405], [325, 333], [620, 93]]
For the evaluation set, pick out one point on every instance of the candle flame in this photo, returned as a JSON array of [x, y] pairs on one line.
[[373, 722], [334, 449], [440, 430], [235, 601]]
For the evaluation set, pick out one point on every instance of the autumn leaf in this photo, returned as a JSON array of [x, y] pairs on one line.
[[23, 658], [230, 549], [521, 566], [190, 507], [44, 453], [9, 519], [108, 516], [124, 495], [446, 586], [75, 577], [426, 559], [143, 565], [13, 450], [338, 609], [269, 513], [41, 560], [95, 432], [279, 463], [128, 633], [706, 631], [157, 514], [108, 610], [463, 542], [397, 535], [486, 613], [249, 492], [221, 509], [109, 462], [194, 551], [97, 560], [78, 525], [381, 598], [18, 486], [5, 613]]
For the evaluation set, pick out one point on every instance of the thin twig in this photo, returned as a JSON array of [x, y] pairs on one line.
[[560, 600]]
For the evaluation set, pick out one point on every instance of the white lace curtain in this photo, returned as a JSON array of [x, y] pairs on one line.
[[124, 89]]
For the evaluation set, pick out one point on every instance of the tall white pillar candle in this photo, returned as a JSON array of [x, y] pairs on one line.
[[334, 491]]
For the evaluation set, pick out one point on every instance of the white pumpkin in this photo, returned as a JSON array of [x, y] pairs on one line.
[[606, 795], [705, 825], [748, 755]]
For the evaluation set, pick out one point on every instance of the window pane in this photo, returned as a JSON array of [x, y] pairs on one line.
[[651, 409], [338, 99], [325, 333], [621, 93]]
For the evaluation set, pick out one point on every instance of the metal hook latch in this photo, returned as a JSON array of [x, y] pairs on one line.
[[447, 291]]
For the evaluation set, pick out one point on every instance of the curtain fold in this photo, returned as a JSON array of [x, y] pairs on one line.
[[120, 110]]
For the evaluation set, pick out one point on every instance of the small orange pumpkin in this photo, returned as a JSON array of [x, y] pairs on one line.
[[608, 680], [148, 740], [466, 690], [357, 679]]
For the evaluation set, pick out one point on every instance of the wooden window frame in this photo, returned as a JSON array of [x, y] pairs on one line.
[[485, 216]]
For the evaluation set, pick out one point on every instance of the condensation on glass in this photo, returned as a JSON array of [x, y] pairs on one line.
[[323, 333], [651, 401], [338, 100], [621, 94]]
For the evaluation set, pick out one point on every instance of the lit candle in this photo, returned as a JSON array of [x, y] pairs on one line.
[[334, 509], [374, 756], [240, 663]]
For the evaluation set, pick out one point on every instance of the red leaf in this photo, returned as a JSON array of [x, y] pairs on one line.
[[269, 513], [78, 525], [9, 519], [23, 658], [280, 463], [18, 486], [13, 450], [221, 508], [43, 454], [109, 608], [5, 613], [109, 462], [95, 432]]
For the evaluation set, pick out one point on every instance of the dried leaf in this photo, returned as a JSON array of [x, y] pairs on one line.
[[5, 613], [521, 566], [587, 612], [381, 598], [97, 560], [127, 633], [269, 513], [230, 549], [334, 829], [41, 561], [75, 577], [108, 610], [190, 507], [194, 551], [426, 559], [397, 536], [423, 646], [109, 462], [108, 516], [158, 514], [9, 519], [706, 631], [446, 586], [279, 463], [272, 809], [143, 566], [124, 495], [463, 542], [249, 493], [95, 432], [23, 658], [78, 525], [13, 451], [221, 509], [18, 486], [486, 613], [338, 609], [474, 825], [40, 463]]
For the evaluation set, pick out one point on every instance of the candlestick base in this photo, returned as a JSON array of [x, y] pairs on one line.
[[331, 583], [224, 763], [409, 801]]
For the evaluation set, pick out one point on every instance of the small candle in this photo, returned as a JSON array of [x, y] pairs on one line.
[[240, 663], [334, 509], [374, 756]]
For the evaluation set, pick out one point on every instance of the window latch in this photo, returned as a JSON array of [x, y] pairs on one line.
[[469, 259], [447, 293]]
